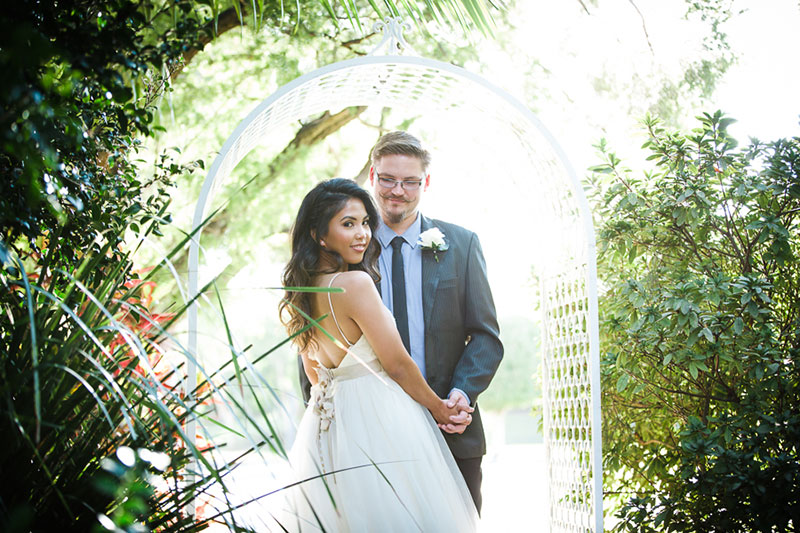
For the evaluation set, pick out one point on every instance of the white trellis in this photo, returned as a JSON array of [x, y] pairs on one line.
[[569, 291]]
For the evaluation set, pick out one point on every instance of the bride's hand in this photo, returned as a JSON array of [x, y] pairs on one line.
[[459, 423], [443, 412]]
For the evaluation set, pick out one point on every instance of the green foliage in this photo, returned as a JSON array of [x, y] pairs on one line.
[[126, 479], [87, 366], [79, 339], [71, 391], [77, 90], [700, 324], [222, 86], [88, 374], [77, 383]]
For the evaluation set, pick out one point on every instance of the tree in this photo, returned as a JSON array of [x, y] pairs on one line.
[[80, 85], [81, 338], [700, 328]]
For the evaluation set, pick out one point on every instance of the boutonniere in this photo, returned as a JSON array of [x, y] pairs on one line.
[[433, 240]]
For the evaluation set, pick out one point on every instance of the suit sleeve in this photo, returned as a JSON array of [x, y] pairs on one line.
[[484, 351], [305, 384]]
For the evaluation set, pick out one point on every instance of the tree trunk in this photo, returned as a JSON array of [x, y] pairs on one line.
[[309, 134], [227, 20]]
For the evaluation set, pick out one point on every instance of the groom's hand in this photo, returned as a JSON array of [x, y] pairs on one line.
[[458, 423]]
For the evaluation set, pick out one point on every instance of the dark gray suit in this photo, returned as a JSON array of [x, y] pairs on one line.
[[462, 345]]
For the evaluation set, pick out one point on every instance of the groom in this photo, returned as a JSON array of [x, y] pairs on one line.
[[437, 289]]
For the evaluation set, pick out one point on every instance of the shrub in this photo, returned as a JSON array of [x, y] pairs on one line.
[[700, 327]]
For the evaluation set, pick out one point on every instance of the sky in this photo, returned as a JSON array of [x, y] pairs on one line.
[[763, 90]]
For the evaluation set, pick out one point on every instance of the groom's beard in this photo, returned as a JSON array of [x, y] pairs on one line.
[[396, 218], [401, 212]]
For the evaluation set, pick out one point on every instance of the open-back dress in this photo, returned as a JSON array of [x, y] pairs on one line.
[[375, 458]]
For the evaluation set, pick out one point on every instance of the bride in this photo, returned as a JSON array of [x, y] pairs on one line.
[[368, 455]]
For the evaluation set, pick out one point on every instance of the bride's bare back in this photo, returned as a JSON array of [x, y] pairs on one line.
[[329, 353], [359, 310]]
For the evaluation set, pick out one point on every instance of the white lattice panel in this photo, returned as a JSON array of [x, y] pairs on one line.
[[570, 407], [572, 420]]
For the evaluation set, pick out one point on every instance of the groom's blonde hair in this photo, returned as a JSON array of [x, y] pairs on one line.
[[400, 143]]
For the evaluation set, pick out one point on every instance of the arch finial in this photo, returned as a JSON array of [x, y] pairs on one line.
[[393, 39]]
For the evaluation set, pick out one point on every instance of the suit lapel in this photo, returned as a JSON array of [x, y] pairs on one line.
[[430, 280]]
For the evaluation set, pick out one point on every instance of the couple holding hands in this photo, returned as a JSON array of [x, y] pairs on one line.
[[396, 355]]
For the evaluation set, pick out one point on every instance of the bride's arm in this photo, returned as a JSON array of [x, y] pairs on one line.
[[361, 303]]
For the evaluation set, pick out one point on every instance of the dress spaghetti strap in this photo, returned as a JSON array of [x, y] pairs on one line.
[[333, 313]]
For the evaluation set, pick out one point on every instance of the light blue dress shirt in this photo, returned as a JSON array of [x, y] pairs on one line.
[[412, 265]]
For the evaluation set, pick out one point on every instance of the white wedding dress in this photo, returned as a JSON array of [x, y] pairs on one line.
[[386, 465]]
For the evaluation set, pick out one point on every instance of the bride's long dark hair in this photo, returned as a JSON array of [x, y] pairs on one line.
[[317, 209]]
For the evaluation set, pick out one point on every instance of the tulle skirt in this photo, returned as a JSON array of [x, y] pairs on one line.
[[369, 458]]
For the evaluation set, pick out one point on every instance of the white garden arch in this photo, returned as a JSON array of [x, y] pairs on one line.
[[568, 292]]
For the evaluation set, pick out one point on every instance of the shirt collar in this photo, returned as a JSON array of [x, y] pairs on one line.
[[411, 235]]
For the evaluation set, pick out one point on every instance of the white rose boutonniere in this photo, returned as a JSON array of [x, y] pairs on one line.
[[433, 240]]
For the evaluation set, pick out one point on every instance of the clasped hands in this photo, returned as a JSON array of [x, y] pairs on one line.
[[455, 415]]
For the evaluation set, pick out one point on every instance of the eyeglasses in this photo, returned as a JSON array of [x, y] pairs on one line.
[[408, 185]]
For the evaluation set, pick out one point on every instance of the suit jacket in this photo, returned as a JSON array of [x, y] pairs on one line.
[[462, 344]]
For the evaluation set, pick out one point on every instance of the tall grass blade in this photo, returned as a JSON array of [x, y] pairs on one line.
[[37, 400], [234, 354], [308, 289], [91, 390], [388, 482]]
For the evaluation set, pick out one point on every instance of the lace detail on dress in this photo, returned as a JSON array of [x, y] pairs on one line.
[[322, 397], [322, 400]]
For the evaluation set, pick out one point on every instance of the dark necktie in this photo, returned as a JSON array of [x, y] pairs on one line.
[[399, 306]]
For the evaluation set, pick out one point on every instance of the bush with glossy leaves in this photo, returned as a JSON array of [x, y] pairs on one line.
[[700, 329]]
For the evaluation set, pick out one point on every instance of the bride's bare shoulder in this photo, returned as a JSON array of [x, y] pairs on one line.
[[354, 279], [355, 283]]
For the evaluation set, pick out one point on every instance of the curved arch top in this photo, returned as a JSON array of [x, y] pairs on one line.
[[569, 306], [392, 81]]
